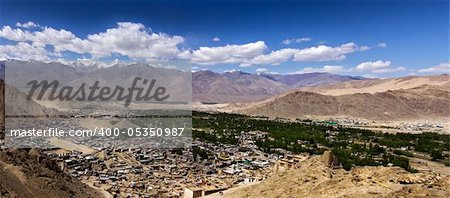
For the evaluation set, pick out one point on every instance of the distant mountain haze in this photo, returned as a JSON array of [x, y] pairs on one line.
[[239, 86], [175, 82], [207, 86]]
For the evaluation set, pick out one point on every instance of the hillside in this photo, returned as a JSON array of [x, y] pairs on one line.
[[312, 178], [16, 104], [424, 102], [29, 173], [378, 85]]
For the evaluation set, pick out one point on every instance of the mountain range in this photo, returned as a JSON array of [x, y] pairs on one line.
[[238, 86], [176, 82], [310, 79], [207, 86], [295, 95]]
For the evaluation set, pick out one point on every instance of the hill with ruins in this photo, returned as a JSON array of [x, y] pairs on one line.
[[314, 178]]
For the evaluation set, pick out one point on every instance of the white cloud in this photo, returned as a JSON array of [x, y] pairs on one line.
[[216, 39], [369, 76], [296, 40], [381, 45], [227, 54], [23, 51], [388, 70], [185, 55], [127, 39], [367, 66], [274, 58], [230, 71], [441, 68], [377, 67], [262, 70], [317, 54], [254, 54], [326, 68], [15, 34], [325, 53], [61, 40], [364, 48], [135, 41], [28, 25], [265, 70]]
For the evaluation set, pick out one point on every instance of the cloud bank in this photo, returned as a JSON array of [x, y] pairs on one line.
[[30, 40], [137, 42]]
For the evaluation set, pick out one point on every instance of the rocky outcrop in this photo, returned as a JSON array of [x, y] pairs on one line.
[[329, 159], [30, 173]]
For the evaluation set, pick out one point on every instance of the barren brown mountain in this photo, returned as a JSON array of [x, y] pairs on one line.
[[208, 86], [423, 102], [240, 86], [29, 173]]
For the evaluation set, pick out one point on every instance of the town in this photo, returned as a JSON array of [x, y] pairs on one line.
[[231, 150]]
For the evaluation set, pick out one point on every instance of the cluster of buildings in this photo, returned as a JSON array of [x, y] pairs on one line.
[[204, 167], [381, 125], [420, 126]]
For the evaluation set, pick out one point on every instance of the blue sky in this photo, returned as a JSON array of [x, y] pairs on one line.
[[371, 38]]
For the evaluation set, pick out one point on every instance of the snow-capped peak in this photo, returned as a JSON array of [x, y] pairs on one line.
[[90, 63]]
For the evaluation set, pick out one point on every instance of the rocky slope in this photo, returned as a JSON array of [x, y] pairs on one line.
[[29, 173], [16, 104], [312, 178]]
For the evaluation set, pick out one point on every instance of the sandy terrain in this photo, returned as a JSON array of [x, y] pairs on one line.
[[380, 85], [312, 178], [71, 146], [91, 123]]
